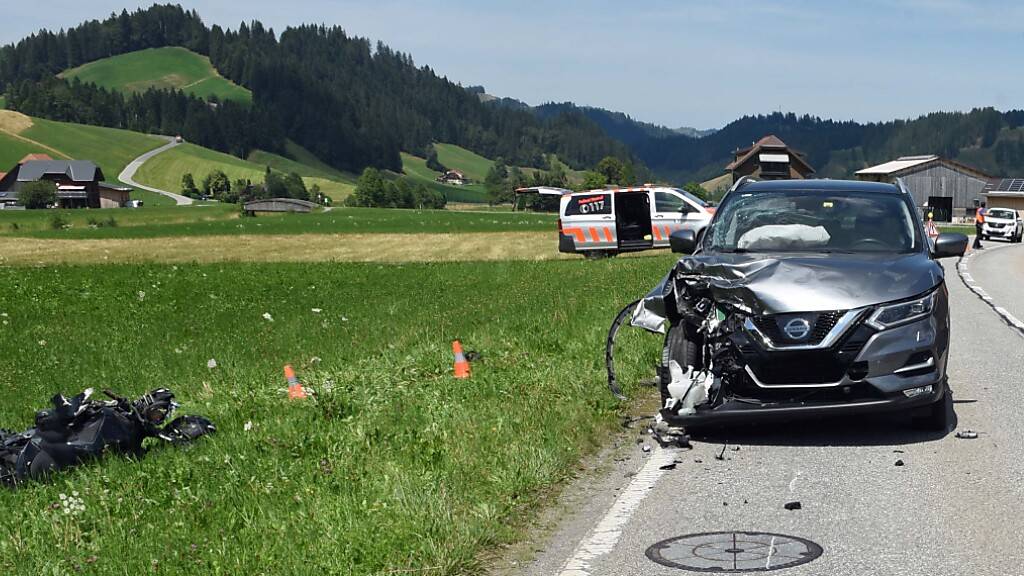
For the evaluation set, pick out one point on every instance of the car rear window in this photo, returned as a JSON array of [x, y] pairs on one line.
[[589, 204]]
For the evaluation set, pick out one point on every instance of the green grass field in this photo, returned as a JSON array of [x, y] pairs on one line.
[[165, 170], [222, 220], [170, 67], [395, 467]]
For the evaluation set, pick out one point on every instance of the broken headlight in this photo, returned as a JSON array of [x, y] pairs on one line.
[[902, 312]]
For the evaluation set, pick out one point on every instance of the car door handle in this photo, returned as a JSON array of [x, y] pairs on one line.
[[606, 217]]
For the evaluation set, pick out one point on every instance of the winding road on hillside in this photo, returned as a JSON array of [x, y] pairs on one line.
[[877, 496], [128, 174]]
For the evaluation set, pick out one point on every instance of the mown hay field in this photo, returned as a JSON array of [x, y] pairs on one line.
[[393, 467]]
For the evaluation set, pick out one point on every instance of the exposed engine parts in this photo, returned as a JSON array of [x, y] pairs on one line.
[[79, 428]]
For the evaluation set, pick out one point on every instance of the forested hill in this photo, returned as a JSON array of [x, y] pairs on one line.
[[351, 103], [984, 138]]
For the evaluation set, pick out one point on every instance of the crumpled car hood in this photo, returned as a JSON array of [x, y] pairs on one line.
[[777, 284]]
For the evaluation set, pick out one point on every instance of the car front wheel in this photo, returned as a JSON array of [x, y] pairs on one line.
[[939, 415], [681, 346]]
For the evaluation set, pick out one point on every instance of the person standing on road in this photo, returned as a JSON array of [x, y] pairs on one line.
[[979, 222]]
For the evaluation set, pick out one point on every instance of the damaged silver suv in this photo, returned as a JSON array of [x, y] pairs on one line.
[[805, 298]]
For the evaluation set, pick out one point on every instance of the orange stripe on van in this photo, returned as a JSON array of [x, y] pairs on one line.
[[593, 234], [668, 231], [657, 233], [577, 232], [608, 235]]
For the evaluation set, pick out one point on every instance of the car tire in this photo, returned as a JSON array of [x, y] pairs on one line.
[[939, 415], [681, 346]]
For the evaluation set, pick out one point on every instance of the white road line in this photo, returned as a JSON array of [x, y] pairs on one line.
[[973, 286], [603, 538]]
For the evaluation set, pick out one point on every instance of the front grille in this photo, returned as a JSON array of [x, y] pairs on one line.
[[821, 324]]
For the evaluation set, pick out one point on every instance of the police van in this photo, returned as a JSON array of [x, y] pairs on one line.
[[609, 221]]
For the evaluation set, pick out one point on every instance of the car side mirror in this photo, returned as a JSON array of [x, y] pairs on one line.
[[949, 244], [685, 241]]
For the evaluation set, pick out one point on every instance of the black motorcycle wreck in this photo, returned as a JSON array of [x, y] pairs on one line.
[[80, 428], [804, 299]]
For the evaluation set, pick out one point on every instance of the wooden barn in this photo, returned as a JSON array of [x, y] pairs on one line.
[[948, 188]]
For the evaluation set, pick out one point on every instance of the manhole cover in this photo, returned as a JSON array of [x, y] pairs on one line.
[[733, 552]]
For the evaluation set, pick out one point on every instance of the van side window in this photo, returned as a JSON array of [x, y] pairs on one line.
[[665, 202], [589, 204]]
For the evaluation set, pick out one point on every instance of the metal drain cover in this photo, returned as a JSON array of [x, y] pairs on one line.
[[733, 552]]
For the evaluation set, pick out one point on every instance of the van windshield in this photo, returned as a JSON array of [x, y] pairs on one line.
[[691, 197], [813, 221]]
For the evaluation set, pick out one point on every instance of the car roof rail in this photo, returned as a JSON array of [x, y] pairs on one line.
[[743, 181], [903, 188]]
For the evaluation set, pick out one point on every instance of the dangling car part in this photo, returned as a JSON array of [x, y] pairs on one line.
[[805, 298], [80, 428]]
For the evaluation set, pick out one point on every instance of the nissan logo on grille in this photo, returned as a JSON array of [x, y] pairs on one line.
[[797, 328]]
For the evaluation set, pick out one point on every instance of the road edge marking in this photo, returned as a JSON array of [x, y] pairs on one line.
[[963, 271], [605, 535]]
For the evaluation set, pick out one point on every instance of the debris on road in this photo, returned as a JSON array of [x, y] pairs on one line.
[[647, 448], [77, 429], [667, 436], [967, 434], [721, 455], [795, 505], [899, 463], [671, 466]]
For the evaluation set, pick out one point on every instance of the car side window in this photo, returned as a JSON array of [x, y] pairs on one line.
[[589, 204], [665, 202]]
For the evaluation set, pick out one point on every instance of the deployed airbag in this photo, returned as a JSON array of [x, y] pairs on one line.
[[783, 237]]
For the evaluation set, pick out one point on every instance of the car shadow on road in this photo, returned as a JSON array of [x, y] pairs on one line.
[[875, 430]]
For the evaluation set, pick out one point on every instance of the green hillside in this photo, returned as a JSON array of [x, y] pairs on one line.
[[416, 169], [171, 67], [473, 165], [165, 170]]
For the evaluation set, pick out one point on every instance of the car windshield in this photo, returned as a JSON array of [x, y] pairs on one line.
[[998, 213], [692, 198], [813, 221]]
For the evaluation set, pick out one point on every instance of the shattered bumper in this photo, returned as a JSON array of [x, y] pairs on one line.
[[897, 369]]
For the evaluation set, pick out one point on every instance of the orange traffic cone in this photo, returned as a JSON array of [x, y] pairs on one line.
[[461, 364], [295, 391]]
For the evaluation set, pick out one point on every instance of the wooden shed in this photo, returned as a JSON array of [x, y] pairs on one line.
[[279, 205], [948, 188]]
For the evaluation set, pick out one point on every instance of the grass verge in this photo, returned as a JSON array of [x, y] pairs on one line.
[[395, 466]]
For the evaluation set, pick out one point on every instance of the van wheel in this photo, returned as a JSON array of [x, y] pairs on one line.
[[681, 346], [598, 254]]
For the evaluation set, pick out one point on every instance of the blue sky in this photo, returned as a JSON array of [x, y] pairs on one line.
[[698, 64]]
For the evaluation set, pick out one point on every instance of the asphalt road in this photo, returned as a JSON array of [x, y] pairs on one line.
[[999, 269], [955, 507], [128, 174]]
